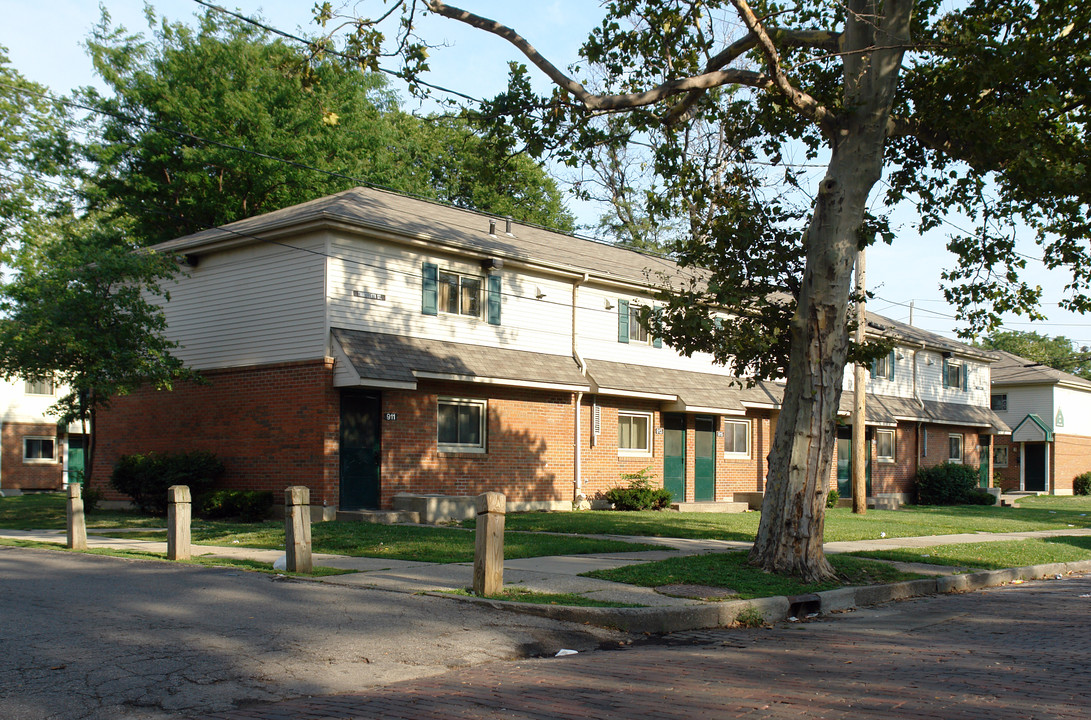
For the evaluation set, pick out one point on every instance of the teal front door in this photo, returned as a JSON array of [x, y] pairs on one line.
[[704, 459], [360, 450], [674, 456], [844, 467], [75, 458]]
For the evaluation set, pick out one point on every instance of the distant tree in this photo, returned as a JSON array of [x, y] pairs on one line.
[[219, 122], [77, 312], [1056, 352]]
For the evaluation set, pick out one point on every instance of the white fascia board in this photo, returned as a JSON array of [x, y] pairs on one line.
[[368, 383], [615, 392], [760, 406], [701, 409], [501, 381]]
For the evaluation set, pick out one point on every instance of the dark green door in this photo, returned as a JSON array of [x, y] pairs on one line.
[[75, 458], [674, 456], [844, 467], [1034, 476], [360, 450], [983, 470], [704, 459]]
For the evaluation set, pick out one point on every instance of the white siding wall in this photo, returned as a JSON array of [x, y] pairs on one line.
[[1022, 401], [930, 381], [17, 406], [1075, 405], [526, 321], [254, 305]]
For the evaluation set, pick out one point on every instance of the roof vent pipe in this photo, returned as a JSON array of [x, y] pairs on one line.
[[507, 226], [492, 228]]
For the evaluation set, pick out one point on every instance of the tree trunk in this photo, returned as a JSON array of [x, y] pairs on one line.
[[790, 535]]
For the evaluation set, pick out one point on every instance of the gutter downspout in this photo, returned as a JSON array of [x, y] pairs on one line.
[[577, 465]]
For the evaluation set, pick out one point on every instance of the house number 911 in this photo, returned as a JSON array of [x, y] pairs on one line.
[[390, 416]]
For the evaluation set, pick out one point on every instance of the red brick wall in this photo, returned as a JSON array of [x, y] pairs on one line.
[[1007, 477], [272, 425], [529, 440], [20, 475]]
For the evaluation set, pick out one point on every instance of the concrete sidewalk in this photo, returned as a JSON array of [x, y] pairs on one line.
[[659, 612]]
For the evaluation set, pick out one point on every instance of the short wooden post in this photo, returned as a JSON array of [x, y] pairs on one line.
[[179, 514], [489, 548], [297, 529], [77, 524]]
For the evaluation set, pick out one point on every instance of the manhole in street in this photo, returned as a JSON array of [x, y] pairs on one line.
[[696, 592]]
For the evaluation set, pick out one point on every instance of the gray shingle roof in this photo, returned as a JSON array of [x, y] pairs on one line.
[[1014, 370], [379, 356], [889, 409], [694, 389]]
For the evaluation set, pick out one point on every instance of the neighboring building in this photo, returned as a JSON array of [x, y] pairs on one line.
[[368, 344], [1049, 412], [36, 454]]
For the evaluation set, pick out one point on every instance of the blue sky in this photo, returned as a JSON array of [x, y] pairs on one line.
[[44, 43]]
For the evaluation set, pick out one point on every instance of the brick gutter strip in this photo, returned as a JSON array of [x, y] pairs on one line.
[[776, 609]]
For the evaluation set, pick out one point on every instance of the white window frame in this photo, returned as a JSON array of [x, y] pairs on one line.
[[961, 448], [955, 367], [480, 447], [638, 334], [996, 456], [879, 457], [728, 426], [443, 287], [40, 460], [884, 367], [631, 451], [1003, 400], [31, 388]]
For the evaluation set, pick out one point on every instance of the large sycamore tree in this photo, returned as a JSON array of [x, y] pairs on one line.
[[980, 109]]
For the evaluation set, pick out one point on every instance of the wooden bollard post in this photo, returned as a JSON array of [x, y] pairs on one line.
[[489, 548], [297, 529], [179, 514], [77, 524]]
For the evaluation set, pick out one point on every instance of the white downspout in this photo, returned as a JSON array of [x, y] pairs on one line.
[[577, 444]]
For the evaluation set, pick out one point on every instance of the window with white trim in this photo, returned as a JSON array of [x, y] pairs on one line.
[[883, 367], [1000, 456], [884, 445], [461, 424], [634, 433], [459, 294], [637, 331], [954, 448], [39, 450], [953, 374], [39, 387], [736, 438]]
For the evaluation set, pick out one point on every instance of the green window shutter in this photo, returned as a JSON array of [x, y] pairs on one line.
[[657, 341], [494, 300], [429, 289], [944, 372], [965, 377], [623, 321], [874, 372], [718, 323], [890, 375]]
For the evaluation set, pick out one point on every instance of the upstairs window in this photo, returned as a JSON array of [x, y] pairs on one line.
[[459, 294], [883, 367], [39, 387], [629, 327], [954, 374], [999, 403], [637, 331]]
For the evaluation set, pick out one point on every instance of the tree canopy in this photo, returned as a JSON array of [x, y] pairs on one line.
[[1056, 352], [214, 123], [980, 110]]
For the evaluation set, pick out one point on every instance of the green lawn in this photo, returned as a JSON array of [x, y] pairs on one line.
[[1042, 513], [994, 555], [729, 570], [46, 511]]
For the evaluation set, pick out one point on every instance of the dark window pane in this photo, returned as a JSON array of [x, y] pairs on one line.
[[448, 423], [471, 296], [448, 292], [469, 424]]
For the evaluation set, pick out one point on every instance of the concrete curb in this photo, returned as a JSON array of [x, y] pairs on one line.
[[775, 609]]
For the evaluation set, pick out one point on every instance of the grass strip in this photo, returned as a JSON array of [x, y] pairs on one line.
[[993, 555], [730, 570], [204, 561], [540, 598]]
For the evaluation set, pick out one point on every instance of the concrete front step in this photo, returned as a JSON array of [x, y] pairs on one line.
[[710, 507], [1009, 499], [381, 517]]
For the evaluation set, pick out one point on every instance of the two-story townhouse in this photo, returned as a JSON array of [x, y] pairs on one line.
[[368, 344], [1049, 412], [927, 403], [35, 453]]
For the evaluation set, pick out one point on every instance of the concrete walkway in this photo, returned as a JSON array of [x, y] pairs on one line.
[[557, 574]]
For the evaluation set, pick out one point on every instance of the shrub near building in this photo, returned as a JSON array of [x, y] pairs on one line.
[[145, 478], [950, 484]]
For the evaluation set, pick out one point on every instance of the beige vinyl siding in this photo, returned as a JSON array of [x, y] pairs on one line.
[[368, 266], [1022, 401], [255, 305], [930, 380]]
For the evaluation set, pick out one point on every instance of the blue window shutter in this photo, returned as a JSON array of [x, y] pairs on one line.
[[623, 321], [965, 377], [429, 289], [657, 341], [890, 372], [494, 299], [945, 372], [874, 369]]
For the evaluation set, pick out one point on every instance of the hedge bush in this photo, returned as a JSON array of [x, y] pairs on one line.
[[145, 478], [246, 505], [640, 495], [950, 484], [1081, 484], [832, 497]]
